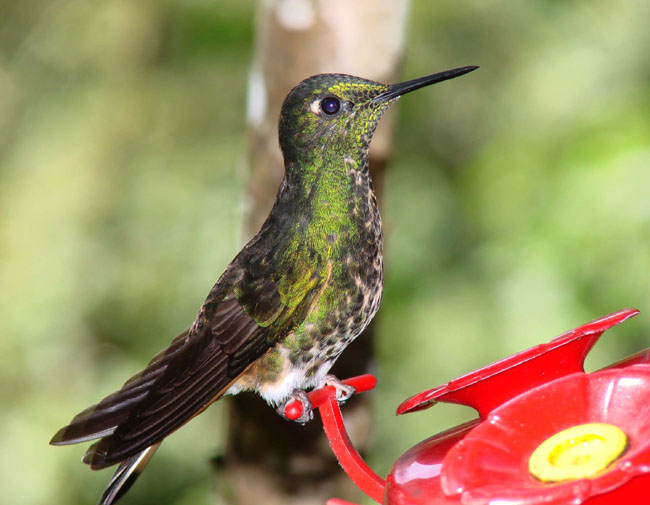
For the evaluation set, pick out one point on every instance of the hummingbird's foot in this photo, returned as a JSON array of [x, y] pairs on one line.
[[343, 391], [297, 407]]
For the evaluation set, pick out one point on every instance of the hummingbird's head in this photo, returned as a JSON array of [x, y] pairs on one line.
[[338, 113]]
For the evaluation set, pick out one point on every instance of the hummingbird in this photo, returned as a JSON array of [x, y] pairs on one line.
[[303, 288]]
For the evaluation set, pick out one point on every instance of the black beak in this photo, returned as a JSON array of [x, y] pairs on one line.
[[397, 90]]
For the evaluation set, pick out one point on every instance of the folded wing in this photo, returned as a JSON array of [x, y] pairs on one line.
[[234, 327]]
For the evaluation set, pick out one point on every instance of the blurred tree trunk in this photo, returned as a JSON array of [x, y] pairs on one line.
[[269, 460]]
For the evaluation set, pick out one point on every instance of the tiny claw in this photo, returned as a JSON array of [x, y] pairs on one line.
[[343, 391], [297, 407]]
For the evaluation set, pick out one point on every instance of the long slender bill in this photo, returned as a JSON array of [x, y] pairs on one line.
[[397, 90]]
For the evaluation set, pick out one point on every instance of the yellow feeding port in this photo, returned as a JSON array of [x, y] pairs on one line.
[[577, 452]]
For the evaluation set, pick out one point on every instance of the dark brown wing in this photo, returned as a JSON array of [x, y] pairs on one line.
[[234, 327], [99, 420]]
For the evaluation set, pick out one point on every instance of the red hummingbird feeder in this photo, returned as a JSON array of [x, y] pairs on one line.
[[547, 433]]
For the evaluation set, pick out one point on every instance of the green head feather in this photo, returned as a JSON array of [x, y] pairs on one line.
[[309, 130]]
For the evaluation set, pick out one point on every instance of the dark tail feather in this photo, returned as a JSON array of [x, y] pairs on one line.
[[126, 474]]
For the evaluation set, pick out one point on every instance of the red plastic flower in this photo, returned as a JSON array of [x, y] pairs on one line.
[[491, 464]]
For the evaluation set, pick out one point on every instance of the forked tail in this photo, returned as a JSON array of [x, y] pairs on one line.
[[126, 474]]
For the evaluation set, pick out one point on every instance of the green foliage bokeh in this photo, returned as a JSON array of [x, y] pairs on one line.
[[515, 207]]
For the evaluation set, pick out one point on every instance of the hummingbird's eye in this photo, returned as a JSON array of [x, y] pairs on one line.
[[330, 105]]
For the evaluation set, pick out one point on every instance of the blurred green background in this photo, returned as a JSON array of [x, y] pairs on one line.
[[516, 207]]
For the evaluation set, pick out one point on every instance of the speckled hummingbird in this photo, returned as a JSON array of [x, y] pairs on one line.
[[289, 303]]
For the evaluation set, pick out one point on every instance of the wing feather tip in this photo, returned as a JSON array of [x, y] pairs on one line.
[[59, 438], [63, 437]]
